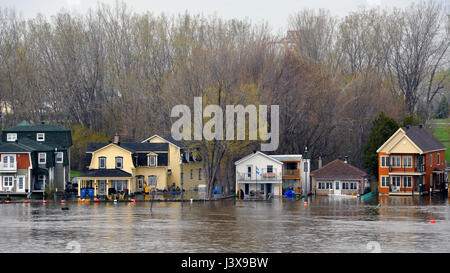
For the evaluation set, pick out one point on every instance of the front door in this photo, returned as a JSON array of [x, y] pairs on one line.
[[337, 187]]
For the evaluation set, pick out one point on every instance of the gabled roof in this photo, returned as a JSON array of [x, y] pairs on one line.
[[423, 138], [254, 154], [338, 169], [169, 139], [420, 136], [130, 146], [37, 146]]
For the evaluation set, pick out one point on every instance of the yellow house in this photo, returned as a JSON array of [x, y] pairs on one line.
[[124, 168], [180, 156]]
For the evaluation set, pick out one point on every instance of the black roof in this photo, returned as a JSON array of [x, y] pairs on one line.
[[423, 138], [106, 173], [13, 147], [37, 128], [130, 146]]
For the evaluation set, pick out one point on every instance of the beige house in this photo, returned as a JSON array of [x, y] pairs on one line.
[[181, 156], [127, 167]]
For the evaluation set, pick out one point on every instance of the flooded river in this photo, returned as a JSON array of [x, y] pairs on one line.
[[327, 224]]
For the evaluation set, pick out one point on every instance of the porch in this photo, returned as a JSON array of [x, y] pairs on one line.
[[105, 183]]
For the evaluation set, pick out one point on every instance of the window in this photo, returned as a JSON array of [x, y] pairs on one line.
[[269, 169], [396, 181], [396, 161], [438, 158], [337, 185], [385, 181], [192, 174], [249, 171], [119, 185], [119, 162], [140, 182], [407, 181], [11, 137], [40, 137], [9, 161], [186, 156], [59, 157], [431, 160], [353, 185], [20, 183], [345, 186], [384, 161], [152, 181], [325, 185], [8, 181], [102, 162], [200, 174], [407, 161], [42, 158], [152, 160]]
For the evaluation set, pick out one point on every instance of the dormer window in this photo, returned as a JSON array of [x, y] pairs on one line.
[[119, 162], [152, 160], [40, 137], [11, 137], [102, 162]]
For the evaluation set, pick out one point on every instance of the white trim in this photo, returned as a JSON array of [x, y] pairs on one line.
[[389, 139], [10, 137], [39, 158], [40, 134], [56, 157], [254, 154], [407, 138]]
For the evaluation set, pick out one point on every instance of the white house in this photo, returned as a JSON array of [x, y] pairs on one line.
[[258, 175]]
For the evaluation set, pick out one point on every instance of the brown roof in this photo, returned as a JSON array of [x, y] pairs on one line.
[[338, 169], [423, 138]]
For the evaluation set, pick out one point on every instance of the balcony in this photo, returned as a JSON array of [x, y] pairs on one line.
[[291, 172], [415, 169], [264, 176], [8, 167]]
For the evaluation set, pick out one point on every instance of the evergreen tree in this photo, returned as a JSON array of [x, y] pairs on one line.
[[412, 120], [383, 127], [442, 109]]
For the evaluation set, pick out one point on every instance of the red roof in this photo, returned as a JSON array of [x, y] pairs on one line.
[[338, 169]]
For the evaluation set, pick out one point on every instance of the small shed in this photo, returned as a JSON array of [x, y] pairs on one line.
[[338, 178]]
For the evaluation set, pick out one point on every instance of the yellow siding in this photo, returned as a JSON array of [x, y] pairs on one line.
[[159, 172], [194, 182], [175, 167], [173, 162], [111, 151], [404, 146]]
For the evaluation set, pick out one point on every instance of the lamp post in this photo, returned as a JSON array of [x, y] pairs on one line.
[[306, 170], [182, 178]]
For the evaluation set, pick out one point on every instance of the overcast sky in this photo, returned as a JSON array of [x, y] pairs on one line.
[[275, 12]]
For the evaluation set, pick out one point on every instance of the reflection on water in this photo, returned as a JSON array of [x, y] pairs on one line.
[[327, 224]]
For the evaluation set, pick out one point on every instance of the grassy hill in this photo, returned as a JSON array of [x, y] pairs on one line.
[[441, 129]]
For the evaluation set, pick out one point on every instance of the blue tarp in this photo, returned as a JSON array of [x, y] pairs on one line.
[[290, 193]]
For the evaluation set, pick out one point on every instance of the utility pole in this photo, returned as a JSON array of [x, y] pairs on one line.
[[182, 180]]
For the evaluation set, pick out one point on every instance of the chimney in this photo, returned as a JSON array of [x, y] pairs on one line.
[[116, 139], [346, 159], [320, 162]]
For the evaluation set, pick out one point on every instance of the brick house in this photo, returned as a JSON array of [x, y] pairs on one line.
[[411, 161]]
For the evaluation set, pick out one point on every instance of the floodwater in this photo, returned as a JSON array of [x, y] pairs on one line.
[[327, 224]]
